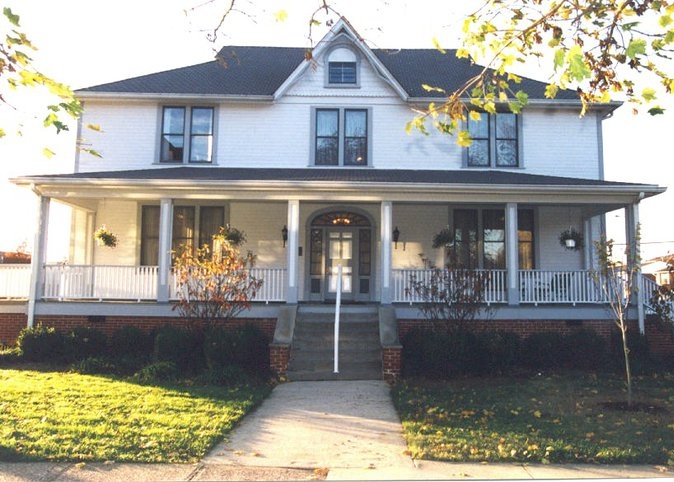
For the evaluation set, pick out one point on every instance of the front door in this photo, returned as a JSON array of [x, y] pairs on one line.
[[340, 238], [340, 252]]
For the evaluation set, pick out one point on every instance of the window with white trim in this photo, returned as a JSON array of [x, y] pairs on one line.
[[187, 134], [342, 68], [341, 137], [495, 140]]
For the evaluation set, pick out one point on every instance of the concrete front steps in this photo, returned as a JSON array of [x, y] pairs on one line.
[[312, 351]]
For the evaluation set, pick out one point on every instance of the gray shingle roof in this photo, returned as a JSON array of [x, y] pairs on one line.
[[260, 71], [389, 176]]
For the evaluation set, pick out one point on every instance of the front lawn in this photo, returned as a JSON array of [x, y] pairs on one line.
[[561, 418], [73, 417]]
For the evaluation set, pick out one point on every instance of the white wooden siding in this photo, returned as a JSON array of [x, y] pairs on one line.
[[551, 221], [262, 223], [120, 217], [418, 224]]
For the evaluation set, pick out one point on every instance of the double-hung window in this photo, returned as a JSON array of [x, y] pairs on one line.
[[341, 137], [495, 140], [479, 239], [192, 225], [187, 134]]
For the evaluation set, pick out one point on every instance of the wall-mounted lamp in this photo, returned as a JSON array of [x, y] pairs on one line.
[[284, 235], [396, 237]]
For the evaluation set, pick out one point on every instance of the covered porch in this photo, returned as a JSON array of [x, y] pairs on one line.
[[380, 225]]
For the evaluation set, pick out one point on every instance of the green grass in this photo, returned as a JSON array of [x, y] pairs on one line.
[[551, 419], [70, 417]]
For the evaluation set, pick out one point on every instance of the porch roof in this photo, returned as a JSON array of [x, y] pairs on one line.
[[359, 180]]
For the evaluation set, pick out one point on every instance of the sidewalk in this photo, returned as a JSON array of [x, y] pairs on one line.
[[313, 430]]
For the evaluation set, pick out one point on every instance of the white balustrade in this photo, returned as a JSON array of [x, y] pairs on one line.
[[84, 282], [404, 279], [14, 280]]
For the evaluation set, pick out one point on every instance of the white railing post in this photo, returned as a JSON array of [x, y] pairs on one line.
[[338, 302]]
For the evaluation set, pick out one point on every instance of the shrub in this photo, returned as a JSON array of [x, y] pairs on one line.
[[131, 342], [545, 350], [10, 356], [247, 348], [163, 371], [503, 351], [42, 344], [94, 366], [586, 350], [424, 353], [85, 342], [181, 346]]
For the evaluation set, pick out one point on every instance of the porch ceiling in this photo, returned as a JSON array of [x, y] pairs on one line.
[[342, 184]]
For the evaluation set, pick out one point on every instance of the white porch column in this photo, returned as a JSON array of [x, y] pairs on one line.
[[512, 254], [292, 253], [164, 257], [386, 296], [588, 248], [634, 256], [39, 257]]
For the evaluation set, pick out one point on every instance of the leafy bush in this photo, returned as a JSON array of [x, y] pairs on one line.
[[10, 356], [181, 346], [131, 342], [586, 350], [42, 344], [502, 351], [247, 348], [94, 366], [163, 371], [545, 350], [85, 342]]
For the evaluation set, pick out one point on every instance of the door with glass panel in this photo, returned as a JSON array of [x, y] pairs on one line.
[[340, 252]]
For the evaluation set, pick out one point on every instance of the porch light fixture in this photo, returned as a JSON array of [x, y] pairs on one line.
[[284, 235], [396, 237]]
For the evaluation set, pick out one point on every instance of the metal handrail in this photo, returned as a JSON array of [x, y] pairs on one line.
[[338, 303]]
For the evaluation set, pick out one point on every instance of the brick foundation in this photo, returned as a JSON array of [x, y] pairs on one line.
[[110, 324], [392, 363], [11, 325], [279, 358]]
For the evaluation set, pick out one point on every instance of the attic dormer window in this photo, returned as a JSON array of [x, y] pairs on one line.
[[342, 68]]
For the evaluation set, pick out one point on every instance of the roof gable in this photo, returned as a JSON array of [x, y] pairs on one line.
[[342, 31]]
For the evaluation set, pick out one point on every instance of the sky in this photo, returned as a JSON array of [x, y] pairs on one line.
[[83, 43]]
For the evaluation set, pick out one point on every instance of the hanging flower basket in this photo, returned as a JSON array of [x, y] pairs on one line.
[[444, 238], [105, 237], [571, 239]]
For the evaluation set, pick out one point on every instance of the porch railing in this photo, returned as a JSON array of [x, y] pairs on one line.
[[14, 281], [571, 287], [85, 282], [137, 283], [403, 279], [273, 285]]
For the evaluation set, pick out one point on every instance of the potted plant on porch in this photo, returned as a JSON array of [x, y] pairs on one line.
[[571, 239], [105, 237]]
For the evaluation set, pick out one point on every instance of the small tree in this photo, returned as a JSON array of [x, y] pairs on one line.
[[619, 283], [451, 297], [215, 282]]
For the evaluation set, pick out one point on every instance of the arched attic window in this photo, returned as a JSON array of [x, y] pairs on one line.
[[342, 68]]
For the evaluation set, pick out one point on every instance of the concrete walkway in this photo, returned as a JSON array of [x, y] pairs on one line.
[[342, 430]]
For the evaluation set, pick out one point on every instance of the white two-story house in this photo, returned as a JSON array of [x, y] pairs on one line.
[[311, 159]]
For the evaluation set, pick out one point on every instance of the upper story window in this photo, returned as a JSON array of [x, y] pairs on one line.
[[341, 137], [187, 134], [495, 140], [342, 68]]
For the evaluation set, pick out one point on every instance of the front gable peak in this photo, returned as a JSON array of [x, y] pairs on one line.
[[342, 51]]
